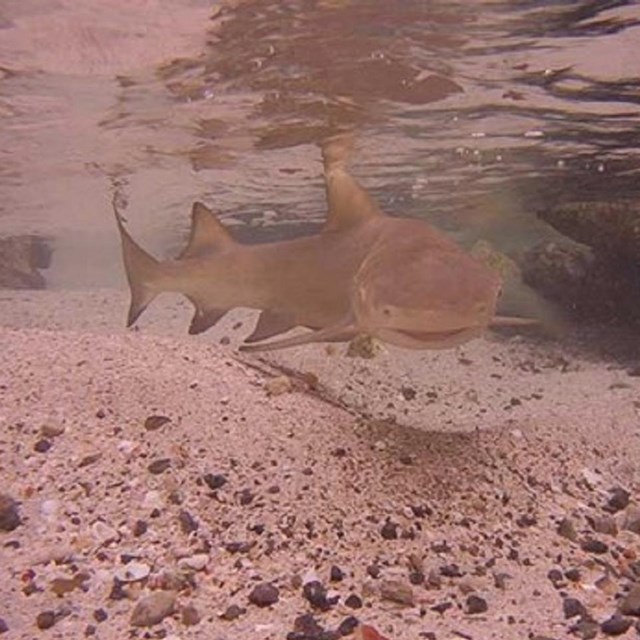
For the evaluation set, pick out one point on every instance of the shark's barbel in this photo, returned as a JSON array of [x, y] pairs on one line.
[[396, 279]]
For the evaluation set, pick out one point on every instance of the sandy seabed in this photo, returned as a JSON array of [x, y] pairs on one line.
[[158, 477]]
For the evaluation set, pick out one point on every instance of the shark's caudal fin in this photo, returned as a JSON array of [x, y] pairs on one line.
[[141, 268], [349, 204]]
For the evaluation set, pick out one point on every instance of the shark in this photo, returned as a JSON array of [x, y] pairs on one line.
[[399, 280]]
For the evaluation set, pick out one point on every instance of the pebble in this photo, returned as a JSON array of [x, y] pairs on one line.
[[586, 628], [132, 572], [153, 608], [278, 385], [9, 513], [572, 607], [188, 524], [196, 562], [630, 604], [604, 524], [4, 627], [45, 619], [42, 446], [190, 616], [616, 625], [567, 529], [315, 593], [631, 520], [348, 625], [264, 594], [152, 423], [51, 430], [215, 480], [103, 533], [397, 591], [336, 574], [592, 545], [232, 612], [159, 466], [618, 500], [389, 530], [100, 615], [353, 601], [476, 604]]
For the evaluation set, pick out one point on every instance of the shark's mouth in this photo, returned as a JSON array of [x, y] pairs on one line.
[[427, 339]]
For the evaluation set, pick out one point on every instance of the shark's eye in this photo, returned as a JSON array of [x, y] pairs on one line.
[[386, 312]]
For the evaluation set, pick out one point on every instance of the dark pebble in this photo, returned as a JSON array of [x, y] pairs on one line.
[[45, 620], [616, 625], [188, 524], [389, 530], [476, 604], [416, 577], [353, 601], [155, 422], [232, 612], [4, 627], [140, 528], [100, 615], [245, 497], [348, 625], [572, 574], [264, 595], [408, 393], [9, 514], [572, 607], [373, 571], [592, 545], [442, 607], [239, 547], [630, 604], [159, 466], [90, 630], [117, 590], [555, 575], [336, 574], [604, 524], [526, 520], [215, 480], [307, 626], [587, 629], [451, 571], [315, 593], [42, 446], [618, 500]]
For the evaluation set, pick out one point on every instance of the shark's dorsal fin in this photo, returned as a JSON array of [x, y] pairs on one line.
[[270, 324], [207, 233], [348, 203]]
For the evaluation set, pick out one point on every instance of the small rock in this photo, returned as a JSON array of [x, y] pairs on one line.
[[572, 607], [586, 628], [451, 571], [630, 604], [232, 612], [593, 545], [188, 524], [604, 524], [45, 619], [100, 615], [353, 601], [618, 500], [373, 570], [573, 574], [316, 595], [336, 574], [153, 608], [476, 604], [278, 385], [215, 480], [264, 594], [408, 393], [103, 533], [566, 529], [631, 520], [606, 585], [190, 616], [42, 446], [307, 626], [152, 423], [9, 514], [616, 625], [196, 562], [159, 466], [132, 572], [348, 625], [397, 591], [4, 627], [389, 530], [51, 430], [363, 346], [140, 527]]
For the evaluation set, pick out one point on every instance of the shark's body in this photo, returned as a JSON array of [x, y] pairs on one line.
[[396, 279]]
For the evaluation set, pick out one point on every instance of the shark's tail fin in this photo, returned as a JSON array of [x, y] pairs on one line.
[[142, 271]]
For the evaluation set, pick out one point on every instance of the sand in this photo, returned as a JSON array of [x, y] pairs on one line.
[[456, 494]]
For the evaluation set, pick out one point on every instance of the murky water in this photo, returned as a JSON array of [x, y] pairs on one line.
[[474, 115]]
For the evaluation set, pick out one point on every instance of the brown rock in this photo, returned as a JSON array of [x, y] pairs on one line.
[[630, 604], [264, 594], [190, 615], [153, 608], [9, 514], [567, 529], [397, 591]]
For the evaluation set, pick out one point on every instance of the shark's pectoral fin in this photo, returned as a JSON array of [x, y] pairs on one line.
[[510, 321], [338, 332], [271, 324], [203, 319]]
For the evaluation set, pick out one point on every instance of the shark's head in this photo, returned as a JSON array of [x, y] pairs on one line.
[[424, 293]]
